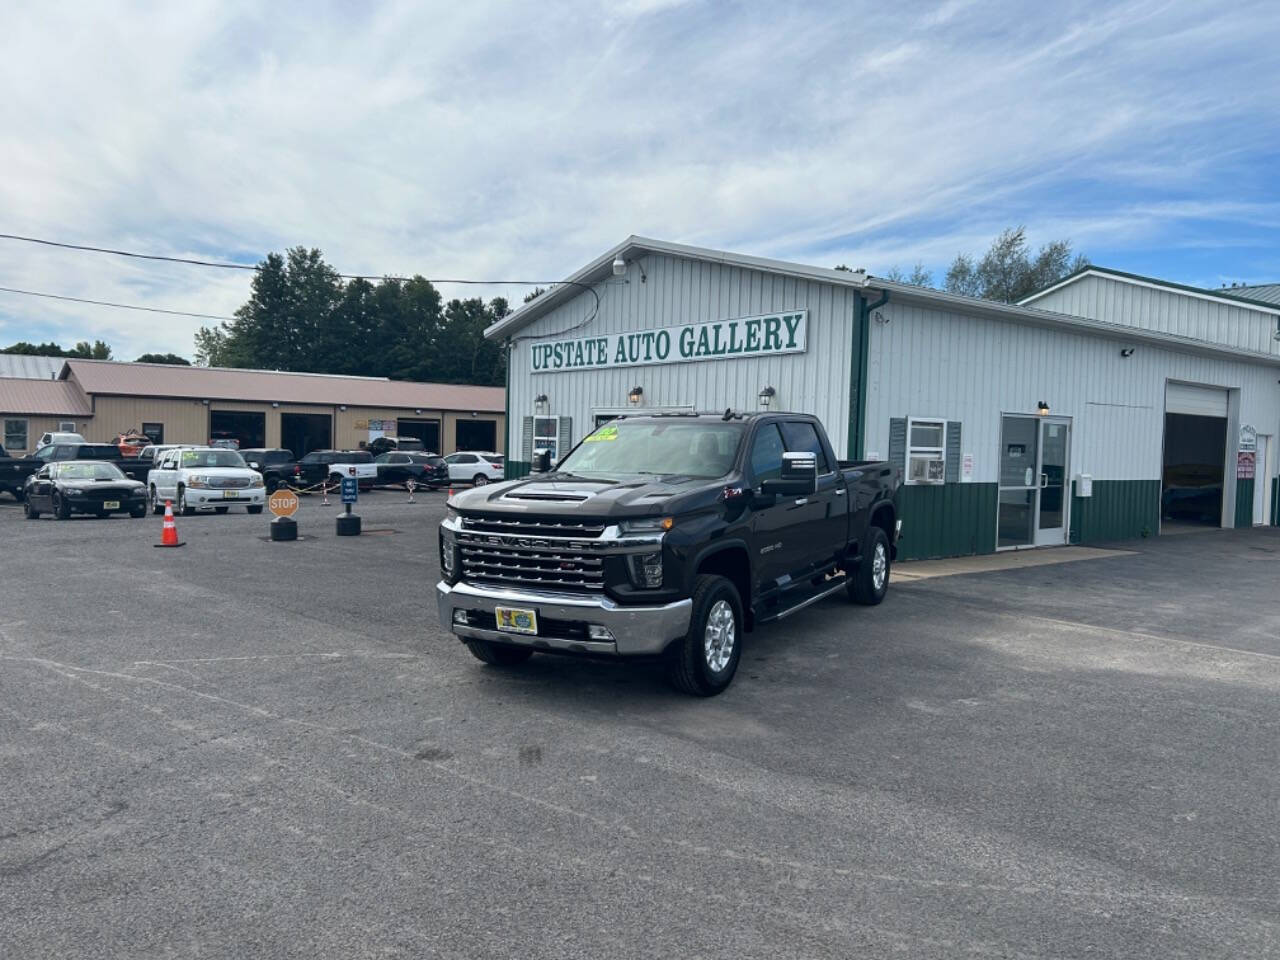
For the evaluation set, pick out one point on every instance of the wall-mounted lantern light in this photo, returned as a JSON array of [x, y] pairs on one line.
[[1042, 408], [275, 404], [343, 407], [541, 403], [634, 396], [1126, 352], [417, 411], [619, 266], [766, 396]]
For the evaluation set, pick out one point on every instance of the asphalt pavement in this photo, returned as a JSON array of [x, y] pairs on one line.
[[241, 748]]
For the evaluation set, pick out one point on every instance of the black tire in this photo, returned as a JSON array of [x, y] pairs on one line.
[[870, 582], [138, 512], [692, 660], [254, 508], [479, 480], [272, 485], [183, 508], [335, 481], [498, 654], [28, 512], [61, 509], [157, 507]]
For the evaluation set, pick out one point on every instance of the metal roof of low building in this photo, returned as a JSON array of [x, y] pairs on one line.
[[270, 386], [43, 398], [30, 368], [1261, 292], [1225, 295], [602, 267]]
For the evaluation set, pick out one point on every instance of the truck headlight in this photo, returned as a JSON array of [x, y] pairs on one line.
[[646, 570], [256, 481], [197, 481], [646, 525], [448, 555]]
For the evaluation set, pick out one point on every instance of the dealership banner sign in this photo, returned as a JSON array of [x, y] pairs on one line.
[[767, 335]]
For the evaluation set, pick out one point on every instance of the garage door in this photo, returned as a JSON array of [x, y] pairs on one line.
[[1195, 400]]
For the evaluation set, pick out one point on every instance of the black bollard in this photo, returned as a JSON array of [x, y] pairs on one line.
[[348, 524], [284, 528]]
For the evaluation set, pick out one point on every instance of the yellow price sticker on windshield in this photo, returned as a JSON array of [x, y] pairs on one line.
[[604, 433]]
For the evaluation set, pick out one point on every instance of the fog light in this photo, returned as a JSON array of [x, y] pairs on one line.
[[460, 617], [597, 632], [646, 569]]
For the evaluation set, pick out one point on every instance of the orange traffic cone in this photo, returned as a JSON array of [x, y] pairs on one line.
[[450, 496], [169, 535]]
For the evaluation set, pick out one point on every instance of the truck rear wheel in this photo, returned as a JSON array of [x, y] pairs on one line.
[[870, 582], [498, 654], [704, 660]]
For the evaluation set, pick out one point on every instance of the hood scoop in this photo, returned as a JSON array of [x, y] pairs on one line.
[[554, 496]]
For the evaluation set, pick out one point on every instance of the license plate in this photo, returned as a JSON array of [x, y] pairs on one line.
[[111, 505], [516, 620], [229, 495]]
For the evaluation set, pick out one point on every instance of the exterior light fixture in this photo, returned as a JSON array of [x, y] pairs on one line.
[[343, 407], [619, 266], [417, 411], [205, 402], [766, 396], [1126, 351], [1042, 408], [634, 396], [275, 404], [541, 403]]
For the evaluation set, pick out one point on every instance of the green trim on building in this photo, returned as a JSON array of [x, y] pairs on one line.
[[950, 520], [517, 468], [1118, 510], [857, 434], [1275, 504], [1244, 502]]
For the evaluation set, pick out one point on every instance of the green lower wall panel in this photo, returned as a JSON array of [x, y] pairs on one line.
[[1275, 504], [1244, 503], [515, 469], [1118, 510], [953, 520]]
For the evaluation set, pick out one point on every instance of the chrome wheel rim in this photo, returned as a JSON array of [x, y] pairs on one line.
[[879, 567], [719, 636]]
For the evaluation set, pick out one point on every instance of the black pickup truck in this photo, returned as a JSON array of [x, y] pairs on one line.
[[670, 536], [14, 472]]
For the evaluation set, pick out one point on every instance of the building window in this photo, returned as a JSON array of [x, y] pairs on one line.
[[66, 426], [926, 451], [546, 436], [15, 435], [153, 432]]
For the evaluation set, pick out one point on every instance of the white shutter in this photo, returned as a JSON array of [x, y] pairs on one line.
[[1195, 400]]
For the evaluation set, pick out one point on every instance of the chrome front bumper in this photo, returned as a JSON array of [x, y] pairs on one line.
[[637, 631]]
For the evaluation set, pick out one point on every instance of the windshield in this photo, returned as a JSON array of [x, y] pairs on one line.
[[694, 449], [211, 458], [89, 471]]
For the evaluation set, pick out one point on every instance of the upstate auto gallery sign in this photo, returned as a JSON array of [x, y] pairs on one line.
[[719, 340]]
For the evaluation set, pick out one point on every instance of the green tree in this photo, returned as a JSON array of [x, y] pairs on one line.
[[918, 277], [1008, 272], [86, 351], [35, 349], [163, 358], [211, 346], [536, 292]]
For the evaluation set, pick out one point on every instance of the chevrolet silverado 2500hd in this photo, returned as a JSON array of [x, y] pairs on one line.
[[667, 535]]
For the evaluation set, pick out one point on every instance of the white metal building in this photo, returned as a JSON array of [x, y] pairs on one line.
[[1108, 406]]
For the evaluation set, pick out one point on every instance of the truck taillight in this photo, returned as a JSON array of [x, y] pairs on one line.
[[297, 470]]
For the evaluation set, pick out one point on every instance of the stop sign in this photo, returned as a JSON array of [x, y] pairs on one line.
[[283, 503]]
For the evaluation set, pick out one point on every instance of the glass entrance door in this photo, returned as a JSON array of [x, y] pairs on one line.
[[1032, 509], [1052, 478]]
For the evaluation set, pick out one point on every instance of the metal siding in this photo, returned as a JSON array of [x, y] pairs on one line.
[[1195, 400], [1169, 311], [938, 364], [679, 290]]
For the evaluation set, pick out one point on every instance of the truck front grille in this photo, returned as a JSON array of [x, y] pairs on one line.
[[228, 483], [535, 526]]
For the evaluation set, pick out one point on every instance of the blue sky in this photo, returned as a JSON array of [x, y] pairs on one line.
[[480, 140]]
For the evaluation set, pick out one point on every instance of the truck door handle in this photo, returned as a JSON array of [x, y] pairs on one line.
[[840, 492], [802, 501]]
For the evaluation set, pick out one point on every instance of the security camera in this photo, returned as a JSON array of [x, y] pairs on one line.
[[619, 267], [1276, 335]]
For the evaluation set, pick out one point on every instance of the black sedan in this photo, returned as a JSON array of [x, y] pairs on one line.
[[82, 486], [424, 469]]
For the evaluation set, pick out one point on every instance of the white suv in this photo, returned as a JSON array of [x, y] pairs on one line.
[[478, 467], [204, 479]]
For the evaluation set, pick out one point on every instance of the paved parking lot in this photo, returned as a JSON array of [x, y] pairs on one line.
[[248, 749]]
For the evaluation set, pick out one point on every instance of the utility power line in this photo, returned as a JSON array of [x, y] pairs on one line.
[[120, 306]]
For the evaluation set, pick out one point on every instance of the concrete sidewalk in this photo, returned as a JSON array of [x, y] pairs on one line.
[[909, 571]]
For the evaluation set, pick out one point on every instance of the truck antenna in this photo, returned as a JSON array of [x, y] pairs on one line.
[[728, 414]]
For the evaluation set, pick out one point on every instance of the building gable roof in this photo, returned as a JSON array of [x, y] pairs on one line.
[[270, 386], [1219, 296], [1262, 292], [29, 367], [901, 293]]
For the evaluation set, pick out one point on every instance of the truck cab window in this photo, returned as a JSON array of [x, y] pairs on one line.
[[766, 454], [802, 437]]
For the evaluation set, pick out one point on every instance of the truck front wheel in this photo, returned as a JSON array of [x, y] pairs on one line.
[[705, 659], [498, 654], [870, 582]]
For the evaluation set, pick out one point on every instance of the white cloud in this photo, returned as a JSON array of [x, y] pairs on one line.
[[484, 140]]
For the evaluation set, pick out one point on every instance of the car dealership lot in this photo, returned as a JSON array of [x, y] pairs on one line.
[[245, 748]]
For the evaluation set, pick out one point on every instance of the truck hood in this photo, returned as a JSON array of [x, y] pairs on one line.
[[556, 494]]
